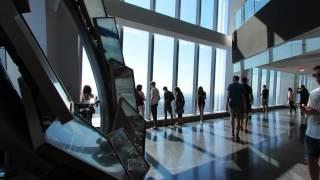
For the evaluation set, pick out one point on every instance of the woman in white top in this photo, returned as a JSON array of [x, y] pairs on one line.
[[291, 100]]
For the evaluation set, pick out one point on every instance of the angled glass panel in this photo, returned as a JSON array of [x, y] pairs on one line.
[[162, 66], [207, 14], [3, 57], [81, 140], [128, 118], [166, 7], [260, 4], [95, 8], [185, 72], [136, 166], [312, 44], [123, 83], [109, 39]]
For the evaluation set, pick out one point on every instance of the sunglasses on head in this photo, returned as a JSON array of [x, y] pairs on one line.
[[316, 75]]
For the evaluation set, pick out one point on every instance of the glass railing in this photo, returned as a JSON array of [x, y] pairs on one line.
[[248, 10], [281, 52]]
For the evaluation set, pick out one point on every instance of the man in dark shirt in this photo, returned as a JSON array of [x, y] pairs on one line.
[[265, 98], [304, 96], [168, 98], [248, 100], [235, 104]]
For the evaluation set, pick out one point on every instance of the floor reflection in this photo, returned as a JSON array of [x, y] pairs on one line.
[[272, 149]]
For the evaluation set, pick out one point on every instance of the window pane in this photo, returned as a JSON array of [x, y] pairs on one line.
[[204, 75], [248, 9], [239, 18], [255, 75], [142, 3], [278, 87], [220, 80], [135, 51], [271, 87], [188, 11], [259, 4], [312, 44], [166, 7], [207, 7], [163, 65], [185, 72]]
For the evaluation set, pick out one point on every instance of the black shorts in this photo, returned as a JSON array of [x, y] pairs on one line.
[[312, 147]]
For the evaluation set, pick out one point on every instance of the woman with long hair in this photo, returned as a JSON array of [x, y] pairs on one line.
[[201, 102]]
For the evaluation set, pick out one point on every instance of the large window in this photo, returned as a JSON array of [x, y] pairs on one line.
[[185, 72], [141, 3], [162, 65], [135, 51], [255, 85], [204, 75], [207, 13], [271, 87], [188, 11], [220, 80], [278, 87], [166, 7]]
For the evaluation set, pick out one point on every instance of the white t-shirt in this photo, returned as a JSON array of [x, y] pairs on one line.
[[313, 129], [155, 96]]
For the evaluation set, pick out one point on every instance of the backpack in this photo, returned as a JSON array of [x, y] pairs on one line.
[[171, 96]]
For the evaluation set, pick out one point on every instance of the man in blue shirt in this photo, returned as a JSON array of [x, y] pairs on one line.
[[235, 105]]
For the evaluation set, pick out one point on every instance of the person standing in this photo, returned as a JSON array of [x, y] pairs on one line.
[[180, 101], [265, 99], [312, 137], [201, 102], [248, 100], [168, 98], [154, 101], [291, 100], [87, 101], [304, 96], [140, 97], [235, 106]]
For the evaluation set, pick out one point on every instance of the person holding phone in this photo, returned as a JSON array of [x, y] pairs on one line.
[[312, 138]]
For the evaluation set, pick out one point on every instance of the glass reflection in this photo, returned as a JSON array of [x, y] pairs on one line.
[[109, 39], [84, 142], [135, 165]]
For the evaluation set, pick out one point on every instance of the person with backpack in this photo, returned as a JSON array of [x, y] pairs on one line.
[[304, 96], [201, 102], [140, 98], [168, 98], [179, 105]]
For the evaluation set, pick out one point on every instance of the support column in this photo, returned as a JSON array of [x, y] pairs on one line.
[[150, 65]]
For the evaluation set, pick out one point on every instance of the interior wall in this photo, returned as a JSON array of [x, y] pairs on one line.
[[64, 49], [36, 19]]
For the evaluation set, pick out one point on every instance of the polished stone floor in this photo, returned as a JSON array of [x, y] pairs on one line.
[[273, 149]]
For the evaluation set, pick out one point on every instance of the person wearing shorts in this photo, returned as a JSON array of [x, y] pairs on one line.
[[312, 137], [235, 105]]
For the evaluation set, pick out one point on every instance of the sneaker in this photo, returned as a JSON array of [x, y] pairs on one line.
[[201, 122]]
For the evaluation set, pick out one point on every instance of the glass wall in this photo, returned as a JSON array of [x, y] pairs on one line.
[[278, 88], [135, 51], [204, 75], [207, 13], [259, 4], [255, 84], [271, 87], [166, 7], [141, 3], [220, 79], [185, 72], [188, 11], [248, 9], [162, 65]]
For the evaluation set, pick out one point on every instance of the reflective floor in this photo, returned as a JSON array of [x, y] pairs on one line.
[[273, 149]]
